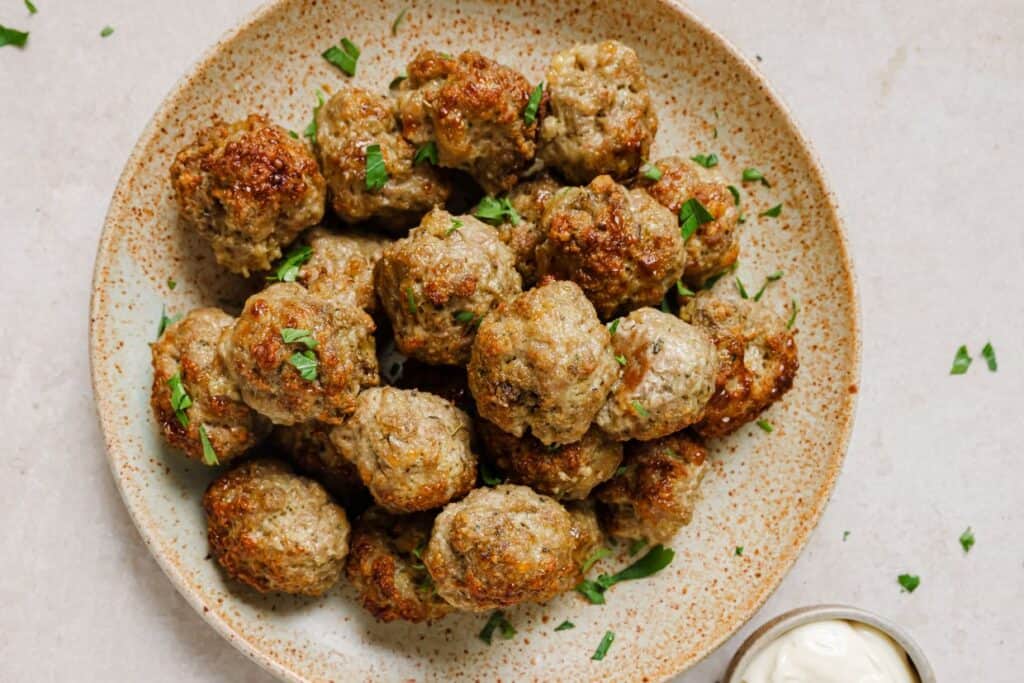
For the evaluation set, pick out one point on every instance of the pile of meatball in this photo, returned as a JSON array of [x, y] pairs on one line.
[[538, 291]]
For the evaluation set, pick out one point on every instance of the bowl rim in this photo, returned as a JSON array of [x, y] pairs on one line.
[[772, 629], [663, 671]]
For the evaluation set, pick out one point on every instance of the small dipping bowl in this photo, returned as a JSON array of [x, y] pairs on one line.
[[764, 636]]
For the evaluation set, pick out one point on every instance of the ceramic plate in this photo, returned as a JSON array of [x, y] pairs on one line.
[[764, 492]]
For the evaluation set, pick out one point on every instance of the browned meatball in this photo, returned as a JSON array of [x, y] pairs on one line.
[[542, 361], [385, 566], [757, 357], [309, 448], [352, 120], [438, 283], [654, 494], [569, 471], [499, 547], [298, 358], [472, 108], [341, 267], [716, 243], [529, 199], [667, 377], [274, 530], [620, 246], [248, 189], [194, 395], [601, 120], [413, 449]]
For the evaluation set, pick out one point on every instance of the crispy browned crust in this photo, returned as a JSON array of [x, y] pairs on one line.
[[529, 198], [382, 564]]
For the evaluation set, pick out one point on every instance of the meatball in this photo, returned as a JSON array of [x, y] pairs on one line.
[[715, 245], [352, 120], [249, 189], [620, 246], [298, 358], [529, 199], [499, 547], [274, 530], [472, 108], [341, 267], [385, 566], [757, 358], [438, 283], [412, 449], [193, 394], [668, 376], [601, 120], [586, 531], [309, 448], [569, 471], [655, 493], [542, 361]]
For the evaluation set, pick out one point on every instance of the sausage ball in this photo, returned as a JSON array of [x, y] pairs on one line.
[[412, 449], [716, 243], [542, 361], [655, 493], [309, 448], [472, 108], [620, 246], [501, 546], [352, 120], [601, 120], [194, 395], [439, 282], [668, 376], [299, 358], [249, 189], [274, 530], [757, 357], [341, 267], [568, 471], [385, 566], [529, 199]]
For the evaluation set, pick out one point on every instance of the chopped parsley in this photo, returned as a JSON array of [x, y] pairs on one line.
[[706, 160], [397, 80], [496, 211], [735, 194], [742, 289], [533, 104], [772, 212], [456, 224], [296, 335], [293, 135], [909, 582], [765, 425], [499, 622], [989, 354], [792, 317], [398, 21], [305, 362], [166, 321], [753, 175], [739, 551], [410, 298], [311, 129], [692, 215], [180, 400], [639, 408], [30, 7], [565, 626], [774, 277], [613, 326], [683, 289], [594, 558], [967, 540], [209, 455], [343, 57], [10, 36], [171, 283], [651, 172], [488, 475], [104, 32], [961, 361], [602, 648], [376, 171], [710, 282], [656, 559], [468, 318], [288, 269], [620, 359], [426, 152], [846, 535], [636, 545]]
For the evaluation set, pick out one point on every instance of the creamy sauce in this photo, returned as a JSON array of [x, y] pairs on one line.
[[831, 651]]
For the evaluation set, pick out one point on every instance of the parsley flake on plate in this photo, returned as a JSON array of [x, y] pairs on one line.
[[766, 426], [398, 21], [533, 104], [397, 80], [288, 269], [343, 57], [427, 152], [104, 32], [565, 626], [296, 335], [692, 215], [909, 582], [656, 559], [306, 363], [742, 290], [961, 361], [376, 171], [738, 551], [651, 172], [735, 194], [774, 277], [311, 129], [594, 558], [753, 175], [30, 7], [989, 354], [602, 648], [498, 622], [11, 36], [180, 400], [166, 321], [209, 455], [846, 535], [496, 211], [706, 160], [792, 317], [967, 540], [772, 212]]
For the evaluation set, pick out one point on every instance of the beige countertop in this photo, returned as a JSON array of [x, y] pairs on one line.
[[917, 113]]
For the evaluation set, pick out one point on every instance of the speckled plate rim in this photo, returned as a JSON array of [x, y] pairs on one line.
[[115, 453]]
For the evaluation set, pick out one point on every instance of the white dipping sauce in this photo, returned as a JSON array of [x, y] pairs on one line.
[[831, 651]]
